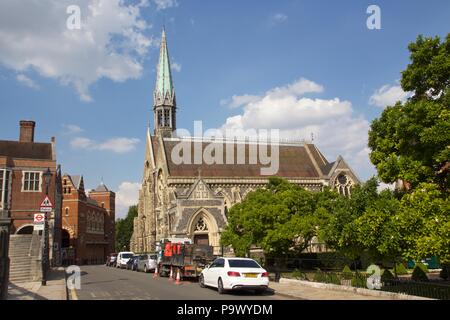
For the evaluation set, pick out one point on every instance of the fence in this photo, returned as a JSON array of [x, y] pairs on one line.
[[327, 270]]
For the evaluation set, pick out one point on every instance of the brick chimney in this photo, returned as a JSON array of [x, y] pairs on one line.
[[27, 131]]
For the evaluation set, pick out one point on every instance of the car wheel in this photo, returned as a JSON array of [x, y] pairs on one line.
[[201, 281], [220, 288]]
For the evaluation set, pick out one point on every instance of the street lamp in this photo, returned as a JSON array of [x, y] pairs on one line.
[[47, 176]]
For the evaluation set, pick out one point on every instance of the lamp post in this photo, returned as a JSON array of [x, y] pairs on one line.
[[47, 176]]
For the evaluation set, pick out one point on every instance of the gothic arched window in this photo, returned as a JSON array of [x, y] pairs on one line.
[[201, 225], [343, 184]]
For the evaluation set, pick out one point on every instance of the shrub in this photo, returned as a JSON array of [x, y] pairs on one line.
[[400, 269], [297, 274], [423, 267], [444, 274], [333, 278], [320, 276], [418, 274], [359, 280], [347, 274], [387, 277]]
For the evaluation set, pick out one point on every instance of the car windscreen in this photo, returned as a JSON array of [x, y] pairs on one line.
[[235, 263], [153, 256], [126, 255]]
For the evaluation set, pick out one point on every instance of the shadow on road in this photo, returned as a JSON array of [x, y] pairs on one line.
[[246, 292]]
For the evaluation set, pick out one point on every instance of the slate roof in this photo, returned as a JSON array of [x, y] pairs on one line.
[[101, 188], [294, 162], [26, 150]]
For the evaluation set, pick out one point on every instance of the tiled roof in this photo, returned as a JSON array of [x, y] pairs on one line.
[[101, 188], [294, 161], [26, 150], [76, 181]]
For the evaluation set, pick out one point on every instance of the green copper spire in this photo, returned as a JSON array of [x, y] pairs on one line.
[[164, 102], [164, 84]]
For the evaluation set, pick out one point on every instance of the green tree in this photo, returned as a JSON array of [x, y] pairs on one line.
[[378, 231], [340, 231], [124, 229], [423, 220], [281, 219], [410, 141]]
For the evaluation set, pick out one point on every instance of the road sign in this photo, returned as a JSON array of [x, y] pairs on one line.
[[39, 218], [38, 227], [46, 205]]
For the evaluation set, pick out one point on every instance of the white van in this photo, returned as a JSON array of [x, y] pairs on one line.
[[122, 258]]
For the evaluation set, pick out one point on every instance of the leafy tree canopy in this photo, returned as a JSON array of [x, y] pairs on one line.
[[411, 140], [124, 229]]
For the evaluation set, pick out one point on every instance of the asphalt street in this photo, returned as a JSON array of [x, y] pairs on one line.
[[108, 283]]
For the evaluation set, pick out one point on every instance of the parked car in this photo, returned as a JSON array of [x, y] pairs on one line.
[[122, 259], [132, 262], [111, 260], [147, 263], [233, 274]]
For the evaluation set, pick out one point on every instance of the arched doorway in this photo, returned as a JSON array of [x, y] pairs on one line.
[[203, 229], [67, 254], [27, 229], [65, 239]]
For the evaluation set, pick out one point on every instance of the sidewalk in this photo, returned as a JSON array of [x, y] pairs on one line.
[[302, 292], [54, 290], [314, 291]]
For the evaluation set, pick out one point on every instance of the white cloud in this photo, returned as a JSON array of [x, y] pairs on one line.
[[297, 88], [176, 66], [23, 79], [82, 143], [117, 145], [278, 18], [110, 44], [165, 4], [71, 128], [336, 130], [388, 95], [239, 101], [126, 196]]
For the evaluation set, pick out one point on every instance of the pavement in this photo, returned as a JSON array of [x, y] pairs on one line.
[[54, 290], [304, 292]]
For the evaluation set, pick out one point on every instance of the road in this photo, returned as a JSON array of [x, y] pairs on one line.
[[107, 283]]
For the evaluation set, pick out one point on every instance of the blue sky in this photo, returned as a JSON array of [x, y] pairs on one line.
[[92, 88]]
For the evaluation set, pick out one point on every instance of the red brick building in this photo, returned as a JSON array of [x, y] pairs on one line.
[[22, 186], [88, 233]]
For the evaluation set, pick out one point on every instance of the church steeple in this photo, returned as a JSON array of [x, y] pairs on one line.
[[164, 102]]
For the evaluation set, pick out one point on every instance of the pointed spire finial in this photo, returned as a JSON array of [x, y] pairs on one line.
[[164, 84]]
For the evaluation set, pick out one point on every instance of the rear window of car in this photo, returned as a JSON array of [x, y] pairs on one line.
[[235, 263], [153, 256]]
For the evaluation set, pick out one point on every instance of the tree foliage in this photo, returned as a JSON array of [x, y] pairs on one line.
[[281, 219], [124, 229], [410, 141]]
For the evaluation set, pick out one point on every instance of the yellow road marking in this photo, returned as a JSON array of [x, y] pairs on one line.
[[73, 293]]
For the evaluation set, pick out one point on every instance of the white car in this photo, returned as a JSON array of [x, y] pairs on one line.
[[122, 259], [235, 273]]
